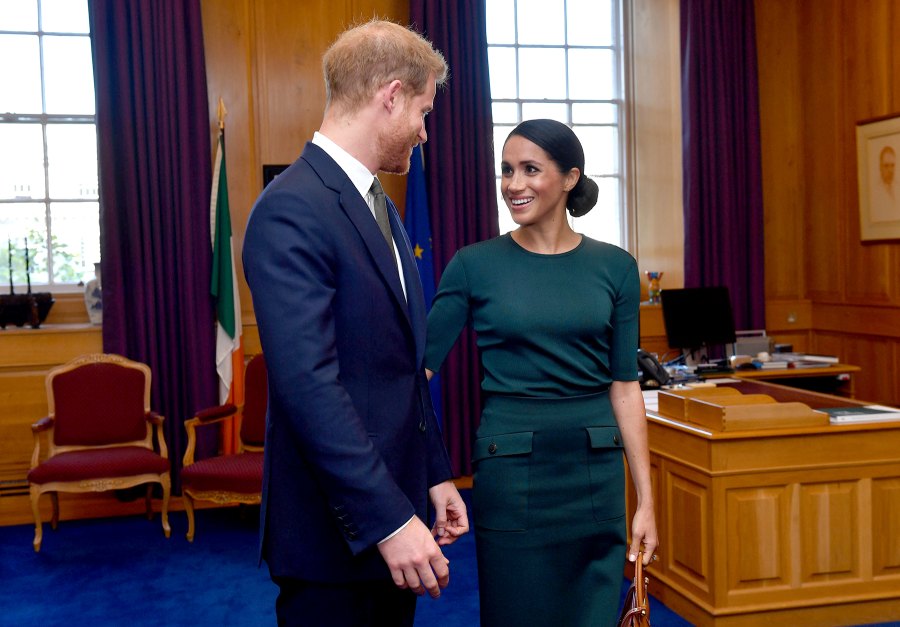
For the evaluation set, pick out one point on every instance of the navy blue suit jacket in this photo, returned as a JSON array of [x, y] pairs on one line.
[[352, 444]]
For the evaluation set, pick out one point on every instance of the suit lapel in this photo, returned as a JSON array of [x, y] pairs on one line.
[[360, 215], [414, 295]]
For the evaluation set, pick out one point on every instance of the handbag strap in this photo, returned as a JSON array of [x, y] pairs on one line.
[[641, 602], [640, 581]]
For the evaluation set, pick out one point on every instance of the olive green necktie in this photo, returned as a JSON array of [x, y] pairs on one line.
[[381, 216]]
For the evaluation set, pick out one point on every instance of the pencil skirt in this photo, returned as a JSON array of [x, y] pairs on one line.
[[549, 512]]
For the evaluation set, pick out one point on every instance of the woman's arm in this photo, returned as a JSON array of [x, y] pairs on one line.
[[628, 408]]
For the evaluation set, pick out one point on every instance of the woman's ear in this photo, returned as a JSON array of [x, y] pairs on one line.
[[571, 179]]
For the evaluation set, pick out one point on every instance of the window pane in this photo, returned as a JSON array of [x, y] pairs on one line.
[[19, 15], [541, 22], [72, 160], [501, 21], [68, 75], [594, 113], [64, 16], [542, 73], [502, 64], [552, 110], [589, 22], [21, 80], [601, 148], [76, 240], [22, 169], [500, 135], [18, 222], [602, 222], [505, 112], [592, 75]]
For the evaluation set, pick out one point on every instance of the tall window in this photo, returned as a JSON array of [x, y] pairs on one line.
[[48, 143], [562, 59]]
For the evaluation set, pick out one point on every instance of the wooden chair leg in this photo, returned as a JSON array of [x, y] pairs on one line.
[[147, 504], [167, 489], [54, 522], [189, 508], [36, 510]]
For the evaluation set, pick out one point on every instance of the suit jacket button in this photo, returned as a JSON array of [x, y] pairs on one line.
[[492, 448], [422, 426], [616, 439]]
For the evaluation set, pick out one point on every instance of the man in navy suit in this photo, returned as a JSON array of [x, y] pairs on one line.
[[353, 450]]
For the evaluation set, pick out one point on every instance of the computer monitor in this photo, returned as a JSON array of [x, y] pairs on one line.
[[697, 318]]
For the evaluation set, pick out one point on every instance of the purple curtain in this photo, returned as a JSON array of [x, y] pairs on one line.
[[462, 197], [723, 211], [155, 177]]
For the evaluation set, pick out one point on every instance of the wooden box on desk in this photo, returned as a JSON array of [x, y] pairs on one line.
[[727, 409]]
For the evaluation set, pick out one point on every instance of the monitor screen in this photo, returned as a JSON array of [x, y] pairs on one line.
[[697, 316]]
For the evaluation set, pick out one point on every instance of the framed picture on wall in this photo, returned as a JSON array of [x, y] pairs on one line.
[[270, 171], [877, 149]]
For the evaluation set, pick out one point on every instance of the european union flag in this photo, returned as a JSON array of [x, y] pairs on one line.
[[418, 227]]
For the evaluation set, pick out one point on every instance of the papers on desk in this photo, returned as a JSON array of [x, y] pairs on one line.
[[800, 360], [861, 413]]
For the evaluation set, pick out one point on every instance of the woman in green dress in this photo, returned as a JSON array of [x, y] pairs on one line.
[[556, 315]]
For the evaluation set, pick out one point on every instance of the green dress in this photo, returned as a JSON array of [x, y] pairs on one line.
[[553, 331]]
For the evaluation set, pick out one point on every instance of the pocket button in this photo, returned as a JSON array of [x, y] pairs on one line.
[[492, 448], [616, 440]]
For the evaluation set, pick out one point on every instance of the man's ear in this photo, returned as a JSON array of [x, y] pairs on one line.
[[390, 93]]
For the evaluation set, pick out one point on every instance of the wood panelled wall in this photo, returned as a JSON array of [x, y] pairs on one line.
[[824, 65]]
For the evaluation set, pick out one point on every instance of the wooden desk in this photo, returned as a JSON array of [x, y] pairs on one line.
[[830, 378], [777, 526]]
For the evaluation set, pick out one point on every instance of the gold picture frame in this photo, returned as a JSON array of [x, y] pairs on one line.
[[877, 149]]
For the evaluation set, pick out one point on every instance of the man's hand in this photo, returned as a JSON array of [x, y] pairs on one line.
[[415, 560], [451, 520]]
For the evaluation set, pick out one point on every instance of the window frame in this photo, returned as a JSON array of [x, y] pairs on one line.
[[46, 120]]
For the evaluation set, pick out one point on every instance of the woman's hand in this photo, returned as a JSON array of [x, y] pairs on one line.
[[643, 534]]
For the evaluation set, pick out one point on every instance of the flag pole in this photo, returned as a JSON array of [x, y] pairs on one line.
[[221, 112]]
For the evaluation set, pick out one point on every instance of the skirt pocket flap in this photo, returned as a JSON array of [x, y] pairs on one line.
[[604, 437], [502, 445]]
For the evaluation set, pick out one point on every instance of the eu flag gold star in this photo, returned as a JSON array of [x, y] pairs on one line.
[[417, 251]]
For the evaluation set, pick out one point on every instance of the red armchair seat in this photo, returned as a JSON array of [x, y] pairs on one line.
[[234, 473], [111, 462]]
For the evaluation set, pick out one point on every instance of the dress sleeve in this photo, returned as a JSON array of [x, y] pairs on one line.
[[623, 351], [449, 313]]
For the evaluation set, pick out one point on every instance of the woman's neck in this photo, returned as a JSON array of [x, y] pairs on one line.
[[544, 239]]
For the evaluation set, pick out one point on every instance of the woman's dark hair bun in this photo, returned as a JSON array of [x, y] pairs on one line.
[[583, 196]]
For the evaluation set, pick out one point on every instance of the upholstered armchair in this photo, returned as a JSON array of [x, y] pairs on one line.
[[236, 478], [99, 434]]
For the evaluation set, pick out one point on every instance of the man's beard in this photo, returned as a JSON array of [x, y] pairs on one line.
[[394, 150]]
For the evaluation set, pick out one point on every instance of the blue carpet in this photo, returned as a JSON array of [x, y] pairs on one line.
[[123, 571]]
